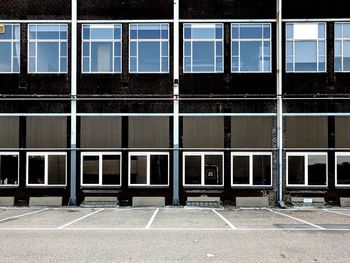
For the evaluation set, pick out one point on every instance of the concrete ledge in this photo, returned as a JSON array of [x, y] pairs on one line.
[[7, 201], [301, 199], [101, 198], [45, 201], [345, 201], [252, 201], [203, 198], [148, 201]]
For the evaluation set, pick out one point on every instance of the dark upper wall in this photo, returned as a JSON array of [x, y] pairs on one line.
[[125, 9], [35, 9], [227, 9]]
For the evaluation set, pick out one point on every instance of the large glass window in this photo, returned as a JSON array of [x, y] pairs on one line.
[[203, 169], [47, 48], [9, 168], [46, 169], [250, 47], [342, 169], [101, 169], [203, 48], [251, 169], [149, 48], [306, 47], [10, 49], [148, 169], [307, 169], [101, 50], [342, 47]]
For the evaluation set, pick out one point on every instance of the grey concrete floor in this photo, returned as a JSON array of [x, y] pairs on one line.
[[174, 235]]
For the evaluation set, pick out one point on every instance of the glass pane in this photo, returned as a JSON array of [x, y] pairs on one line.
[[8, 32], [5, 57], [165, 65], [235, 48], [337, 64], [251, 56], [262, 170], [138, 170], [111, 169], [15, 64], [267, 64], [165, 33], [56, 169], [203, 56], [32, 32], [133, 32], [101, 56], [86, 32], [149, 56], [234, 64], [240, 170], [48, 32], [346, 49], [296, 170], [86, 49], [219, 48], [102, 33], [47, 57], [63, 64], [213, 170], [133, 48], [219, 65], [117, 32], [133, 65], [86, 66], [266, 48], [159, 169], [63, 49], [187, 64], [149, 32], [202, 32], [193, 169], [290, 50], [187, 32], [321, 48], [317, 170], [251, 31], [338, 30], [31, 64], [187, 51], [306, 56], [343, 170], [218, 31], [321, 30], [267, 33], [90, 170], [165, 49], [346, 30], [346, 64], [8, 169], [117, 49], [36, 170], [290, 31], [15, 32], [338, 48], [117, 64]]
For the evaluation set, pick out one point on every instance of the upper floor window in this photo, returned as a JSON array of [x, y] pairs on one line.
[[9, 168], [47, 48], [101, 49], [342, 47], [203, 48], [149, 48], [251, 48], [9, 49], [306, 47]]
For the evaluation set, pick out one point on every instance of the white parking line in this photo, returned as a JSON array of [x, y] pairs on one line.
[[224, 219], [26, 214], [152, 219], [335, 212], [80, 218], [297, 219]]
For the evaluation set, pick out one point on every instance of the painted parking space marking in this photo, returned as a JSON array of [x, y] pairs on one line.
[[25, 214], [224, 219], [152, 219], [80, 218], [336, 212]]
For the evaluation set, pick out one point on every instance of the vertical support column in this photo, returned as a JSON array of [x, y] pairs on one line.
[[176, 153], [279, 101], [73, 132]]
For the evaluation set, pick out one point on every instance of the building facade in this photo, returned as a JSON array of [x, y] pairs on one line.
[[174, 99]]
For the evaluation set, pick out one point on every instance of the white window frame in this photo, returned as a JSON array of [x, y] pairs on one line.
[[214, 40], [46, 168], [160, 40], [148, 156], [113, 41], [36, 41], [302, 40], [336, 168], [100, 168], [11, 153], [306, 165], [202, 155], [13, 41], [341, 39], [262, 40], [251, 169]]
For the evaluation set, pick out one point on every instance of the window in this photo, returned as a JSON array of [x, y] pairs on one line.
[[9, 168], [101, 50], [148, 169], [46, 169], [149, 48], [251, 48], [47, 48], [342, 47], [10, 49], [101, 169], [251, 169], [203, 169], [306, 47], [342, 169], [203, 48], [307, 169]]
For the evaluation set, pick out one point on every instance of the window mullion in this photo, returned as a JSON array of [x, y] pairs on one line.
[[46, 169], [251, 183], [202, 169], [100, 169], [306, 171], [148, 167]]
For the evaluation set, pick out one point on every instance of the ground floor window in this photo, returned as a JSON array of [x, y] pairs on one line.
[[203, 169], [148, 169], [46, 169], [101, 169], [307, 169], [250, 169], [9, 168], [342, 169]]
